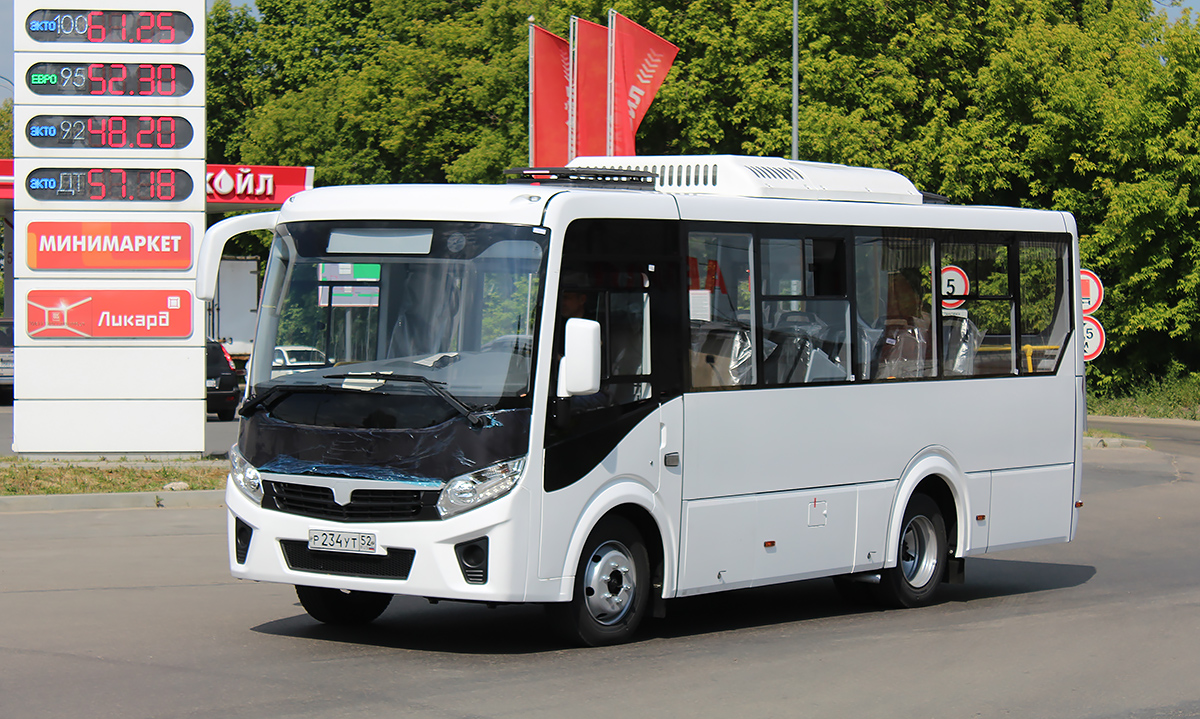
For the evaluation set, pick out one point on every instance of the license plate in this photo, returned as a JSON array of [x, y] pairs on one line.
[[210, 383], [354, 542]]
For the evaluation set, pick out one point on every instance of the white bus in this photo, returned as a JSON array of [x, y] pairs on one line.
[[604, 389]]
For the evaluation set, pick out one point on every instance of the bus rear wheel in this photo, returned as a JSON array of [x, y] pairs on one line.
[[612, 587], [921, 556], [342, 606]]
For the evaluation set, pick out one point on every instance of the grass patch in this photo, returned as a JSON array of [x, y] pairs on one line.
[[1166, 399], [19, 477], [1103, 434]]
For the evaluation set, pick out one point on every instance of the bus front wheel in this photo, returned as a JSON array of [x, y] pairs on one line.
[[612, 587], [921, 559], [340, 606]]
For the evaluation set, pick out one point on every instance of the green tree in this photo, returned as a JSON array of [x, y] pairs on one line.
[[6, 128], [1089, 106], [232, 78]]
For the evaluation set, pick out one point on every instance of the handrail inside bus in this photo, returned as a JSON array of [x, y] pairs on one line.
[[1027, 349]]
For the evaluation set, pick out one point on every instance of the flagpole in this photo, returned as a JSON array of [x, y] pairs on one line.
[[573, 93], [531, 19], [795, 81], [609, 123]]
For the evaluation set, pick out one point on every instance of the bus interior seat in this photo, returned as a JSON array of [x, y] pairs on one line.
[[903, 351], [718, 355], [961, 339], [821, 368]]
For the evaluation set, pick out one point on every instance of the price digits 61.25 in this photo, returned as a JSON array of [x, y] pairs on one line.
[[110, 26]]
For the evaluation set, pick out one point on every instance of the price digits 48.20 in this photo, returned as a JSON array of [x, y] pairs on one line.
[[145, 132]]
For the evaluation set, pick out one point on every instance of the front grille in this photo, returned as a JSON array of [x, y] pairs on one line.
[[395, 565], [366, 505]]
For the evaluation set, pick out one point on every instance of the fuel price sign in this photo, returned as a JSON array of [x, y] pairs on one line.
[[154, 26], [144, 27], [101, 79]]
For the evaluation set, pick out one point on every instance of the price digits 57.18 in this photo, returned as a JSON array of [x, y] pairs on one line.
[[110, 184]]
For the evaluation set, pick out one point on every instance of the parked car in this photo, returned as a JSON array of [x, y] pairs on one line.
[[296, 358], [6, 354], [223, 381]]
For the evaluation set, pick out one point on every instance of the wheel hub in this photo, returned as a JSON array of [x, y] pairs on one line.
[[609, 583], [918, 547]]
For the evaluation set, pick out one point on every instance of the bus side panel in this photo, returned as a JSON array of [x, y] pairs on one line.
[[755, 441], [805, 534], [718, 545], [757, 540], [973, 537], [874, 510], [572, 510], [1030, 506]]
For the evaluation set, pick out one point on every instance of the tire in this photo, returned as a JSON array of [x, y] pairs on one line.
[[612, 588], [342, 607], [226, 415], [920, 559]]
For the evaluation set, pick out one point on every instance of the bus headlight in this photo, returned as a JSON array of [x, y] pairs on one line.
[[480, 487], [244, 475]]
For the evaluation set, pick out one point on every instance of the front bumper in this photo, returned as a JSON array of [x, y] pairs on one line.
[[435, 570]]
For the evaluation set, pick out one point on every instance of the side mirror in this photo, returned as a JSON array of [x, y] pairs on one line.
[[579, 369], [277, 362]]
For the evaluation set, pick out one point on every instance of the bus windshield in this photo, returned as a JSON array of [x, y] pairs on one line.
[[418, 322]]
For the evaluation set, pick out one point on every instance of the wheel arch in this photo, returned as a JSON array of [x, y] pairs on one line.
[[935, 473], [635, 503]]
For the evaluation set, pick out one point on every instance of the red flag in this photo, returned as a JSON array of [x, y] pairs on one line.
[[589, 77], [549, 67], [639, 61]]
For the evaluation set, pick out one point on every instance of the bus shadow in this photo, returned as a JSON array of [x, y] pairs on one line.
[[413, 624], [818, 599]]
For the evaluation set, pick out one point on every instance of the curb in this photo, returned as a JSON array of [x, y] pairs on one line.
[[1112, 443], [193, 499]]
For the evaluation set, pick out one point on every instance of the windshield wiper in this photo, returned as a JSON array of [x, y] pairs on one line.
[[474, 416], [252, 403]]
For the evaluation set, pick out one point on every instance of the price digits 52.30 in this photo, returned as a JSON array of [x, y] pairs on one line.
[[110, 78]]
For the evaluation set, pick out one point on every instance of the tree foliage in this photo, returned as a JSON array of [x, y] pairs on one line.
[[6, 128], [1089, 106]]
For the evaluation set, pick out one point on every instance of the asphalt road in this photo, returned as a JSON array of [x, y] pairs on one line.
[[1173, 436], [133, 614]]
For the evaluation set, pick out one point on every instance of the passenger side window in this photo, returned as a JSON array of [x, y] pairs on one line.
[[804, 313], [1045, 304], [720, 310], [895, 296], [977, 306]]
